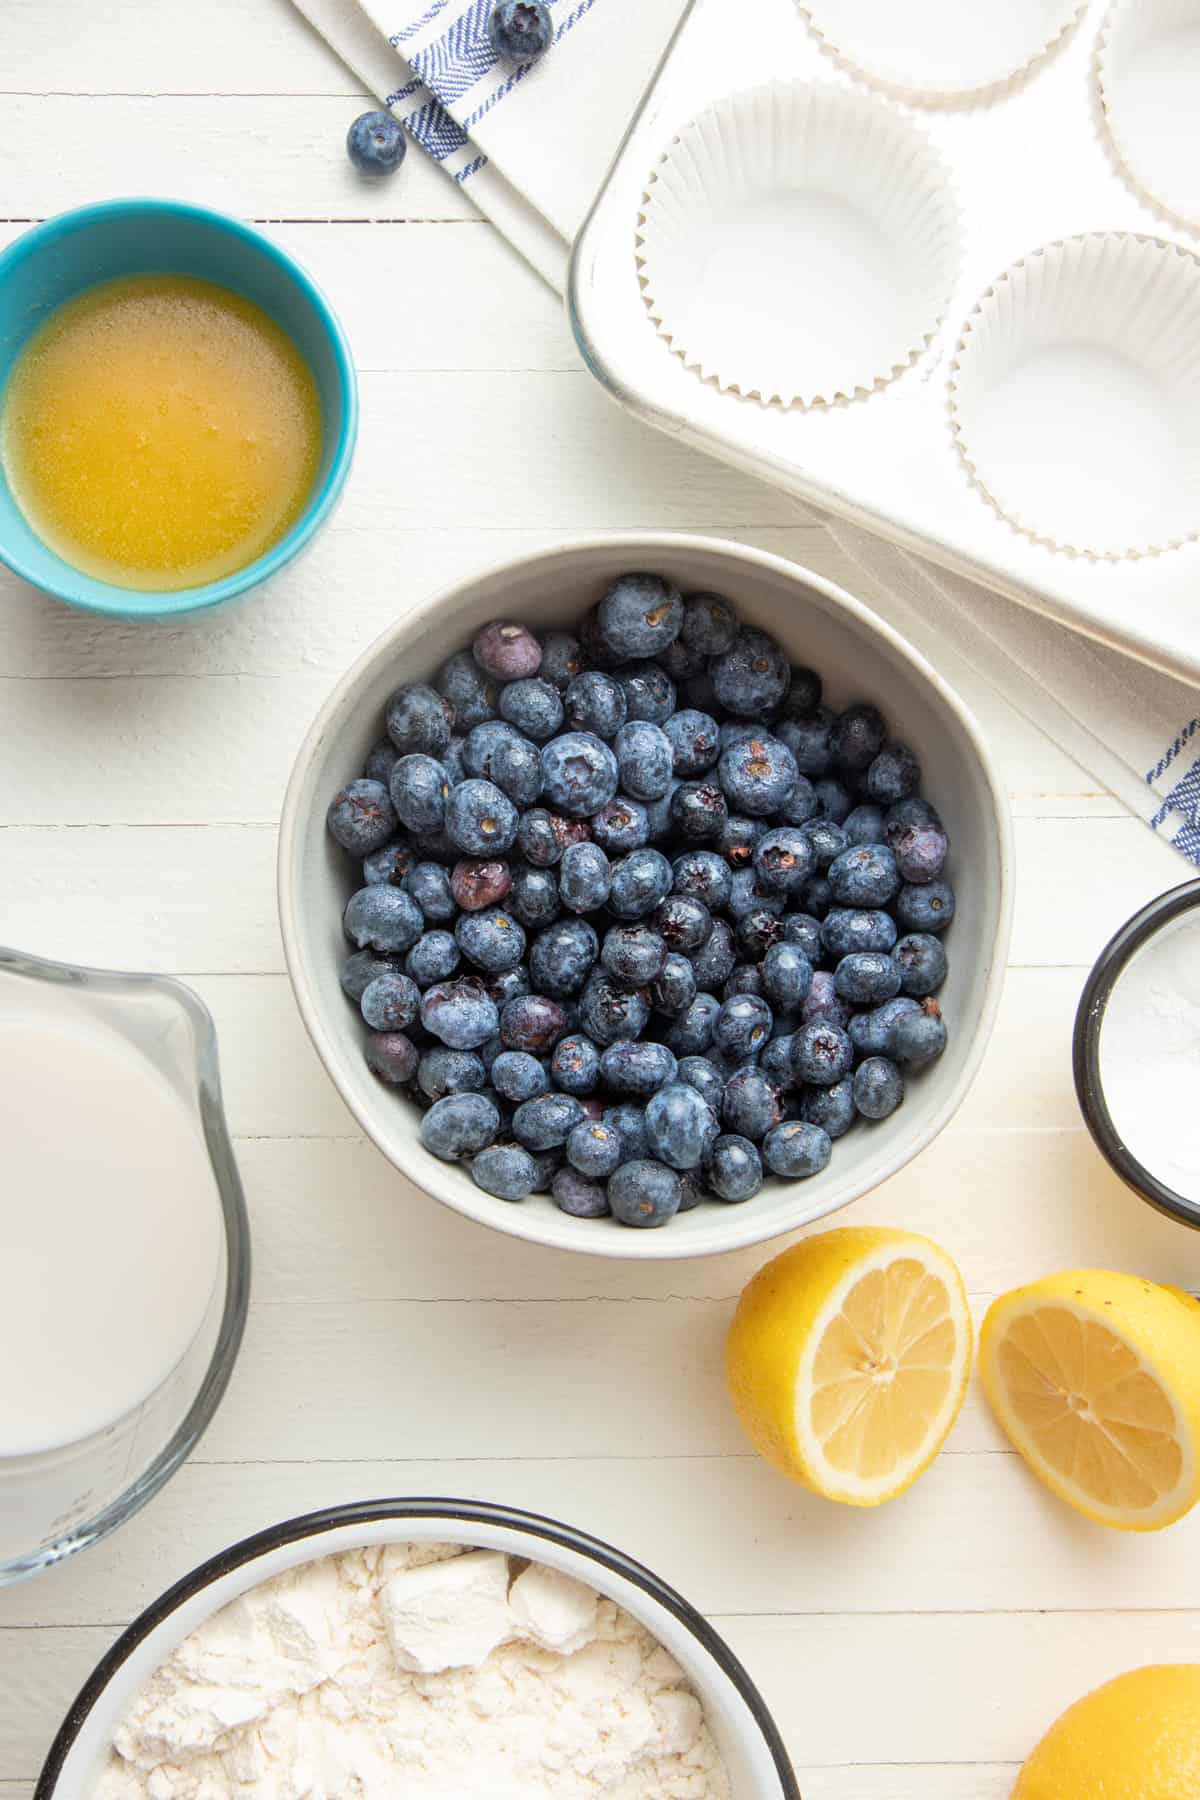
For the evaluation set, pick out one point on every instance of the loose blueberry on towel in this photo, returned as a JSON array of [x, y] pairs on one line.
[[520, 30], [641, 914], [376, 143]]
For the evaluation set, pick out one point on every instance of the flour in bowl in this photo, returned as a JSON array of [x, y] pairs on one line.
[[415, 1671]]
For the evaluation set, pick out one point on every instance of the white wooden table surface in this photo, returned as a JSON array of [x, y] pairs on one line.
[[915, 1652]]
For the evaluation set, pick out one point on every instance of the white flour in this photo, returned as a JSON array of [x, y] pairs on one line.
[[405, 1672], [1150, 1055]]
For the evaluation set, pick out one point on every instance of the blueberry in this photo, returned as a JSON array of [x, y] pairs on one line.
[[878, 1087], [418, 720], [870, 1032], [699, 1073], [391, 1055], [904, 815], [918, 1037], [757, 931], [682, 662], [380, 761], [579, 774], [921, 960], [420, 788], [816, 896], [796, 1150], [709, 624], [680, 1126], [675, 988], [698, 810], [742, 1025], [833, 799], [575, 1065], [532, 706], [508, 984], [537, 840], [738, 839], [690, 1034], [821, 1053], [461, 1013], [645, 760], [649, 692], [521, 30], [828, 840], [693, 737], [832, 1108], [823, 1003], [507, 651], [702, 875], [776, 1062], [362, 968], [750, 1105], [751, 678], [783, 860], [633, 955], [594, 1149], [639, 616], [390, 1003], [578, 1196], [894, 775], [714, 962], [506, 1171], [747, 979], [376, 143], [683, 924], [644, 1194], [493, 940], [621, 826], [532, 1022], [757, 774], [361, 817], [584, 878], [864, 877], [640, 881], [734, 1170], [595, 703], [503, 755], [804, 694], [867, 978], [441, 1072], [452, 761], [390, 863], [467, 690], [629, 1122], [429, 885], [847, 929], [562, 659], [787, 974], [382, 918], [927, 907], [808, 739], [659, 823], [699, 692], [804, 931], [857, 737], [920, 852], [459, 1126], [480, 820], [636, 1068], [519, 1076], [691, 1188], [864, 824], [608, 1012], [561, 957], [547, 1122], [533, 899]]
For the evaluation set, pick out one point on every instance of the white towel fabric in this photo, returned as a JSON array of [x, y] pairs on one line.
[[531, 146]]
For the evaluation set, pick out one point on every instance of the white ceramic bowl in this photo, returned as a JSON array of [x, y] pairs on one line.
[[859, 657], [737, 1716]]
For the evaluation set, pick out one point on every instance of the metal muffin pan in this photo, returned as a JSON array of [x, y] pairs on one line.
[[1032, 164]]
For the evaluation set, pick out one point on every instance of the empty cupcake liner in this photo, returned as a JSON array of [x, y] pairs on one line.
[[1148, 66], [1075, 395], [799, 243], [941, 52]]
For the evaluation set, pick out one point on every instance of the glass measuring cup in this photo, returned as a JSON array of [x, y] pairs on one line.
[[57, 1500]]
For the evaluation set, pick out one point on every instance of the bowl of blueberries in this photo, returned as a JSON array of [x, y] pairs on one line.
[[648, 897]]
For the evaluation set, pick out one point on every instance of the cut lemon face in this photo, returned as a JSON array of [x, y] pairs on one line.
[[848, 1360], [1095, 1377]]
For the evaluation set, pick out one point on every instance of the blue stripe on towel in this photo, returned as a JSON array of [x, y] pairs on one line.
[[519, 74], [401, 37], [1171, 752], [435, 131], [463, 56]]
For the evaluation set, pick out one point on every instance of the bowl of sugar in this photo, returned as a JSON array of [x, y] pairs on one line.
[[1137, 1053], [125, 1270]]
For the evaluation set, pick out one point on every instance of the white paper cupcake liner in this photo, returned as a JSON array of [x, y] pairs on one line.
[[942, 52], [1075, 395], [799, 243], [1148, 65]]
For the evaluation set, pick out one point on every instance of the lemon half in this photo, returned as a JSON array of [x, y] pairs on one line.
[[848, 1360]]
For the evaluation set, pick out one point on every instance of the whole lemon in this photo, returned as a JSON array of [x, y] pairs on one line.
[[1135, 1738]]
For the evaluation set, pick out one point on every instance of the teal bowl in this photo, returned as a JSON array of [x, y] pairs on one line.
[[77, 250]]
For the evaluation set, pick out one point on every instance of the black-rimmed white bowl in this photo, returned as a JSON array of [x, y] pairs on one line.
[[737, 1716], [1111, 964]]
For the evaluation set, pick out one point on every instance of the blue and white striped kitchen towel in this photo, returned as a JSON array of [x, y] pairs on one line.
[[531, 146]]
